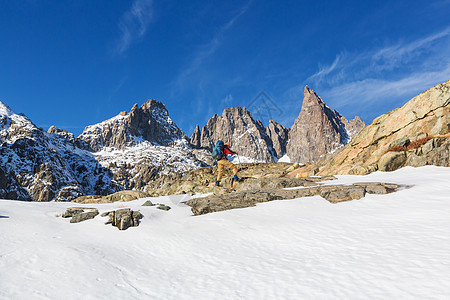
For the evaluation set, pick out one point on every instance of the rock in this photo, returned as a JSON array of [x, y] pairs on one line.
[[163, 207], [278, 136], [293, 167], [80, 217], [242, 199], [392, 161], [148, 203], [123, 218], [336, 194], [136, 216], [416, 160], [318, 130], [195, 139], [401, 142], [122, 196], [70, 212], [378, 187]]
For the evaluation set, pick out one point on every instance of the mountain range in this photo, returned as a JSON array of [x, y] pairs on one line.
[[143, 149]]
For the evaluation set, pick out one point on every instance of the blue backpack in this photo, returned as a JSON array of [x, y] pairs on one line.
[[218, 150]]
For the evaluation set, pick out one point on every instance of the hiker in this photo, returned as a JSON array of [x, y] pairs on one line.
[[220, 153]]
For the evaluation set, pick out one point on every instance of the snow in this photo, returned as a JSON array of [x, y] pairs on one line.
[[394, 246], [285, 159], [5, 110]]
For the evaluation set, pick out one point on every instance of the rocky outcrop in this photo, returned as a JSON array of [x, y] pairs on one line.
[[150, 122], [278, 136], [122, 196], [242, 199], [202, 180], [318, 130], [415, 134]]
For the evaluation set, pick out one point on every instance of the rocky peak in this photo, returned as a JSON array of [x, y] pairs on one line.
[[150, 122], [237, 127], [195, 138], [278, 136], [318, 130], [310, 98], [5, 110]]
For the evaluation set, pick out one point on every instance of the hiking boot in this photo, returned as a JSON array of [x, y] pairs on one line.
[[236, 178], [218, 183]]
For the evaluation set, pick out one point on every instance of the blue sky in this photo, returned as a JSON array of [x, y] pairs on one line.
[[76, 63]]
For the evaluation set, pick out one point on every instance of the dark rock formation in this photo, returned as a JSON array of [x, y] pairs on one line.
[[318, 130]]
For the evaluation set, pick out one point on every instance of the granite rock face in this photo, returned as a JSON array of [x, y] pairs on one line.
[[195, 139], [318, 130], [416, 134], [237, 127], [278, 136]]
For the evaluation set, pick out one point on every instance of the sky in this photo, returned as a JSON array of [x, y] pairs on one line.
[[76, 63]]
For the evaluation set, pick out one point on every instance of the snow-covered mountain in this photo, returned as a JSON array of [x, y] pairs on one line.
[[128, 151], [150, 123], [133, 150], [142, 145], [41, 166]]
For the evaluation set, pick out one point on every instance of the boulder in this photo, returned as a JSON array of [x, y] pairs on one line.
[[163, 207], [123, 218], [83, 216], [392, 161]]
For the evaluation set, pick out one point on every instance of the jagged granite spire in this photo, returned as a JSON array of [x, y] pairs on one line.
[[318, 130], [195, 138]]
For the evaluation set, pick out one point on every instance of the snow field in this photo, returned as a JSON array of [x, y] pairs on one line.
[[394, 246]]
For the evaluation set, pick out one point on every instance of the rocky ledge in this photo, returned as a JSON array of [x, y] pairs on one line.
[[332, 193]]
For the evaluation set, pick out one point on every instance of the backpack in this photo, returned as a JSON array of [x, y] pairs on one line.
[[217, 153]]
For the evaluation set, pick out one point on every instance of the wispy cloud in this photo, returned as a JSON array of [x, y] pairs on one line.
[[324, 70], [388, 75], [133, 24]]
